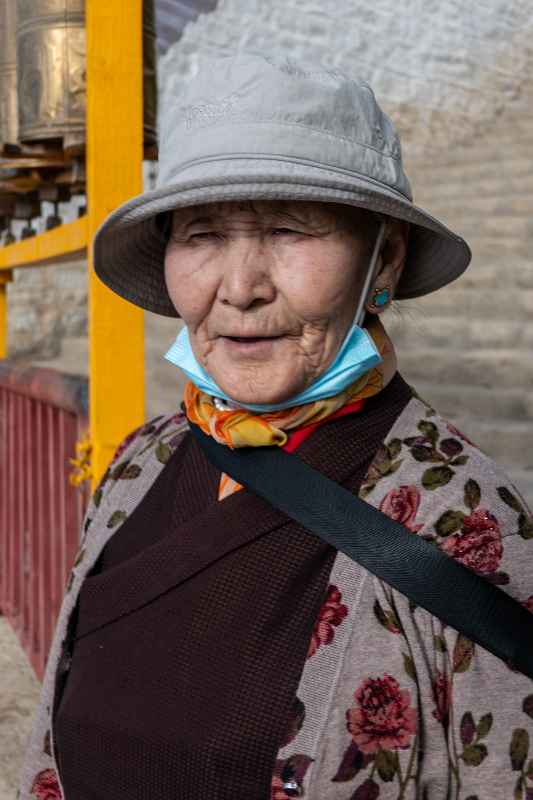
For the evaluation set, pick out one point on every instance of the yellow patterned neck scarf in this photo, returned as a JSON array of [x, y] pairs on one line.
[[242, 428]]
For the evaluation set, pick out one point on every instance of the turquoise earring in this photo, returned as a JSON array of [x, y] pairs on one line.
[[381, 297]]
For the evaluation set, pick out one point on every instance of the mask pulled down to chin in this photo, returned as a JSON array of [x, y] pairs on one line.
[[356, 355]]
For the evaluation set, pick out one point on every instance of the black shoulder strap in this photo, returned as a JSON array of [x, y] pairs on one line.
[[416, 568]]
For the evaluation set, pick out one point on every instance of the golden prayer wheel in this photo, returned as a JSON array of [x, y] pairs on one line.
[[8, 74], [51, 74]]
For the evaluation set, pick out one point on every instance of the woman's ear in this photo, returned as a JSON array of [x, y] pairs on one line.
[[391, 263]]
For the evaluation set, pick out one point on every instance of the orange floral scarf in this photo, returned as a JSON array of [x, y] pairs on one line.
[[242, 428]]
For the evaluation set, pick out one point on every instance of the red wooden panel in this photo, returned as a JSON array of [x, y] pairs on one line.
[[11, 504], [3, 494], [40, 512], [25, 538]]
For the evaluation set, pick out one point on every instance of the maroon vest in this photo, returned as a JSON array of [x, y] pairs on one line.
[[192, 629]]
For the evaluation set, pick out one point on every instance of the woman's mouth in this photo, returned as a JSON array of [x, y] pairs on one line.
[[253, 346], [251, 339]]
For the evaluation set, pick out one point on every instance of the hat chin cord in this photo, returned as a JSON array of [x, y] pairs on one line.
[[370, 275]]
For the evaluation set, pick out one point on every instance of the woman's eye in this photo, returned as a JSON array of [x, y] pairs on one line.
[[204, 235], [282, 231]]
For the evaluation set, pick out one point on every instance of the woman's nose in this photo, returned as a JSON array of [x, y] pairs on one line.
[[246, 274]]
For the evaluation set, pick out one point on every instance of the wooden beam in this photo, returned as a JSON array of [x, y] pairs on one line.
[[114, 174], [64, 243]]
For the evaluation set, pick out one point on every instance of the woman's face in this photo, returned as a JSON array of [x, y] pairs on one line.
[[267, 290]]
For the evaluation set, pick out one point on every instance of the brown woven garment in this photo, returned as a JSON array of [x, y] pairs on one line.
[[193, 629]]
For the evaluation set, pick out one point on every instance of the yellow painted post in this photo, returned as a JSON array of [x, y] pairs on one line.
[[114, 173], [5, 277]]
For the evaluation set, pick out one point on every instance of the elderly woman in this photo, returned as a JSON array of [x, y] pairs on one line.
[[209, 645]]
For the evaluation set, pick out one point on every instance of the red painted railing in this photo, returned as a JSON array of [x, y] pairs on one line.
[[43, 413]]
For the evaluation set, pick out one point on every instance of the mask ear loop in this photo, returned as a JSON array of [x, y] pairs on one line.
[[370, 276]]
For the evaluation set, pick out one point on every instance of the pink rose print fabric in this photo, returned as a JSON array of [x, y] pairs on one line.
[[382, 676], [46, 786], [479, 543], [401, 504], [290, 772], [382, 722], [382, 716], [331, 615]]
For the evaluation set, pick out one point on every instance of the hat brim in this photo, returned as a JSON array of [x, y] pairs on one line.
[[129, 247]]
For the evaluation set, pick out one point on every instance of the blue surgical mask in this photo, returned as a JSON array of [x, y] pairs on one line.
[[357, 354]]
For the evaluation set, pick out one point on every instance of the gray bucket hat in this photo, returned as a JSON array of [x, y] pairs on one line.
[[251, 127]]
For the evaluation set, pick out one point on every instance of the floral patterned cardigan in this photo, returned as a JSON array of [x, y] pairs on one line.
[[392, 703]]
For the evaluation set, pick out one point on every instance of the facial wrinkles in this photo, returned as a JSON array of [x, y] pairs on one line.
[[212, 256], [311, 344], [319, 339], [308, 220], [311, 335], [245, 301]]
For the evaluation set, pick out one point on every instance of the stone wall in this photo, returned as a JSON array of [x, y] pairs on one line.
[[46, 305], [442, 68]]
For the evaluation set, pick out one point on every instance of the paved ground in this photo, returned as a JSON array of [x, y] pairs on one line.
[[19, 693]]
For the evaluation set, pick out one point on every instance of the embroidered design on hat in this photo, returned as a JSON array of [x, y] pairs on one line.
[[203, 114]]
